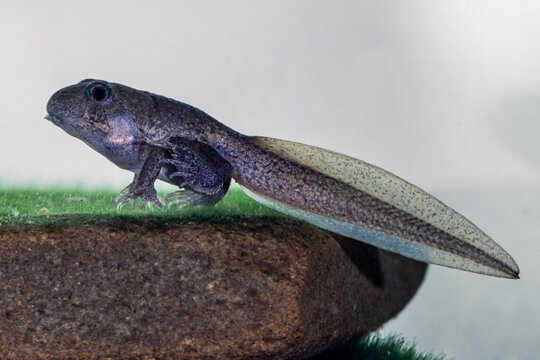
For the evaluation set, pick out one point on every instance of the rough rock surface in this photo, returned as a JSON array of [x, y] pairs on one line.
[[266, 288]]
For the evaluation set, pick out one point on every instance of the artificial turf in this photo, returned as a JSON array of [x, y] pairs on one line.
[[78, 205]]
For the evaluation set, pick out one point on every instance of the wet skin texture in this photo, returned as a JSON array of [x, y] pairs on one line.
[[161, 138]]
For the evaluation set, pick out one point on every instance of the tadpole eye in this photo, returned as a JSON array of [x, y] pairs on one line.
[[98, 92]]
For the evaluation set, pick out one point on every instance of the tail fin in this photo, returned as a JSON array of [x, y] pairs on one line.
[[439, 235]]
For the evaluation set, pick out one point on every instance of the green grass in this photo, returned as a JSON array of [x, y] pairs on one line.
[[379, 347], [57, 205]]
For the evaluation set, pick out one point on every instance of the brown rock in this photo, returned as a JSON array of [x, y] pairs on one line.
[[237, 289]]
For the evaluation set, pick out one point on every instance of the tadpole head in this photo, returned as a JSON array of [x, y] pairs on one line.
[[100, 114], [83, 108]]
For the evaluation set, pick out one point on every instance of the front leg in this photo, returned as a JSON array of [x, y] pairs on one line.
[[142, 186]]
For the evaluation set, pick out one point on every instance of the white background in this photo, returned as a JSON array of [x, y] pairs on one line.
[[444, 94]]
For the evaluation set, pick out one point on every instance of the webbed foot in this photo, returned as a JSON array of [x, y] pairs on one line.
[[148, 196], [124, 191], [186, 197]]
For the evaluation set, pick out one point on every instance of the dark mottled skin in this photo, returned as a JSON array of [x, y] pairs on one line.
[[132, 126]]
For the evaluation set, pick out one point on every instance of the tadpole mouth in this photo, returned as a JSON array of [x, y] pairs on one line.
[[52, 118]]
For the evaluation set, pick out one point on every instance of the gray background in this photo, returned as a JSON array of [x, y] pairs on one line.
[[444, 94]]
